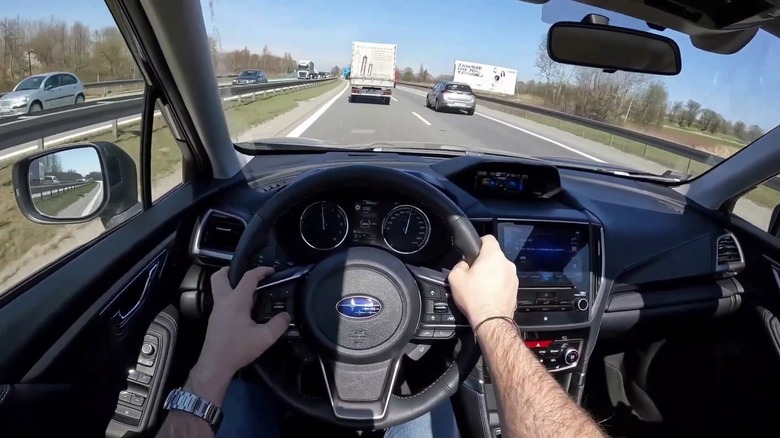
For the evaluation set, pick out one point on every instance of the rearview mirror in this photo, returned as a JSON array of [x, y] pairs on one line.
[[613, 48], [75, 183]]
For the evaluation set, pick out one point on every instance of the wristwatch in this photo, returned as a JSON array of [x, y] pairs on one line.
[[180, 400]]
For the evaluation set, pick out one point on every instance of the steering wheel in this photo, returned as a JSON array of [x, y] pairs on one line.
[[360, 351]]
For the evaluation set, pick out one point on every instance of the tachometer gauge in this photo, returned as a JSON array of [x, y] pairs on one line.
[[324, 225], [406, 229]]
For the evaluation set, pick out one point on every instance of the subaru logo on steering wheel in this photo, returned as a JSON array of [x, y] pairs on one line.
[[359, 306]]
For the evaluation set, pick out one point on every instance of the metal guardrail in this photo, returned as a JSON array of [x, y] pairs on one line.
[[659, 143], [56, 188], [118, 82], [48, 124]]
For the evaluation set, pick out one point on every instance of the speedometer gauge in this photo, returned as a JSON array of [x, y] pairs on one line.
[[406, 229], [324, 225]]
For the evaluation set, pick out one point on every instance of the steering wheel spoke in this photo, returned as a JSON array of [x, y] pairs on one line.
[[440, 317], [360, 392], [276, 294]]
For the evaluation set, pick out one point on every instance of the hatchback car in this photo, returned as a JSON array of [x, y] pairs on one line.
[[451, 95], [250, 77], [42, 91]]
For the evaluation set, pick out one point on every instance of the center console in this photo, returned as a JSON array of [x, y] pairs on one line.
[[559, 271]]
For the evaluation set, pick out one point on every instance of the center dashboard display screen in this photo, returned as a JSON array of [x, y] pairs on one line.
[[548, 254]]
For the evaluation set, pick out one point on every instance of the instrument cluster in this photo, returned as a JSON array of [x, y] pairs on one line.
[[315, 228]]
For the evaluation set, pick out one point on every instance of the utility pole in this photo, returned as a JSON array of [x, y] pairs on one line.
[[29, 60]]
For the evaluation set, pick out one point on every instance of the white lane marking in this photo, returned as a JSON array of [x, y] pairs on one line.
[[313, 118], [91, 204], [362, 131], [568, 148], [391, 97], [421, 118]]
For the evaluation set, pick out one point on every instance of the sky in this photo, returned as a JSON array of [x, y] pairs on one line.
[[505, 33], [83, 160]]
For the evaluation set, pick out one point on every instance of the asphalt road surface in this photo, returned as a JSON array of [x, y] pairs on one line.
[[407, 119], [85, 205]]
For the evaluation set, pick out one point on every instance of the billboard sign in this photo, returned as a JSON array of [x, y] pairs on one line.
[[484, 77]]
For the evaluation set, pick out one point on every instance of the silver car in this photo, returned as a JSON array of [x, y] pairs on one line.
[[451, 95], [42, 91]]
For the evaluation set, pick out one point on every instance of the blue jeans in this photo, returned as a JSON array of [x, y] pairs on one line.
[[251, 412]]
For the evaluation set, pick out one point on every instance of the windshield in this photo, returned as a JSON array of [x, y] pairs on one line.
[[31, 83], [249, 73], [458, 87], [715, 106]]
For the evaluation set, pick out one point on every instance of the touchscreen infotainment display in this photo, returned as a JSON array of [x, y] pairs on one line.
[[548, 254]]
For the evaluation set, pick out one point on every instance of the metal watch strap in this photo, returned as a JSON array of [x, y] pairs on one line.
[[184, 401]]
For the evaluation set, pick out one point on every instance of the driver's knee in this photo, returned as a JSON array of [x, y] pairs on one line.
[[438, 423], [248, 412]]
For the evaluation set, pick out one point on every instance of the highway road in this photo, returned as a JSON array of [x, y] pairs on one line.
[[407, 119], [73, 122], [94, 101]]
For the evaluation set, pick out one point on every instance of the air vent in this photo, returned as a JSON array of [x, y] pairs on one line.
[[483, 226], [219, 234], [273, 186], [729, 254]]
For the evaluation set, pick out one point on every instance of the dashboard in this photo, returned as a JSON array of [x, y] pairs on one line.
[[593, 251], [597, 255]]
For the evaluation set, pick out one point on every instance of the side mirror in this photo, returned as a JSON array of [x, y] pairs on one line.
[[75, 183]]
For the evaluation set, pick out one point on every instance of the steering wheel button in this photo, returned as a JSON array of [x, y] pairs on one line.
[[431, 318], [443, 333], [448, 319], [424, 333], [416, 351], [441, 307], [431, 291], [293, 333]]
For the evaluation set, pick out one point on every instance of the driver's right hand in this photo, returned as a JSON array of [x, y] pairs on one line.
[[487, 288]]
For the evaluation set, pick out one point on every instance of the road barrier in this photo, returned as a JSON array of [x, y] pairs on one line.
[[49, 123], [55, 189]]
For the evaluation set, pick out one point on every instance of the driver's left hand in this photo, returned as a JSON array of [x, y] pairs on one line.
[[233, 339]]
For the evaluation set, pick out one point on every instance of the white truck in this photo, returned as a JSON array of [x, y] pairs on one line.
[[306, 70], [372, 71]]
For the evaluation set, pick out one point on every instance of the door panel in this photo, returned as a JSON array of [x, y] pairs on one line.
[[70, 334]]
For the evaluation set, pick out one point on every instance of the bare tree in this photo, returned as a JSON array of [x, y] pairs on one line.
[[675, 109]]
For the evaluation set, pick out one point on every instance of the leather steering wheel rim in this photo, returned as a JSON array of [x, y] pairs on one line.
[[399, 409]]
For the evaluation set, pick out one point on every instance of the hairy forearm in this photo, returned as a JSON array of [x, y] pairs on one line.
[[208, 382], [531, 403]]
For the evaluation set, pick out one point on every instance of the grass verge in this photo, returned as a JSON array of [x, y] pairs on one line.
[[18, 235], [50, 206], [762, 195]]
